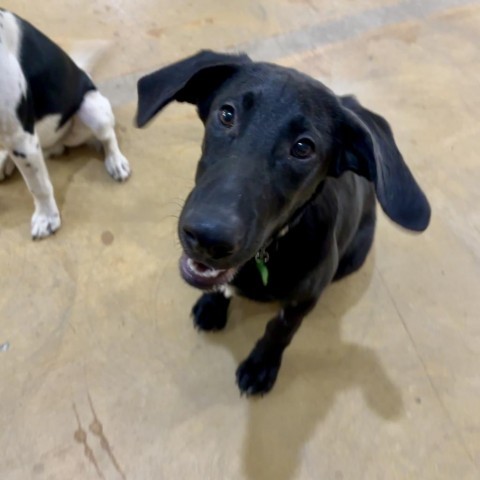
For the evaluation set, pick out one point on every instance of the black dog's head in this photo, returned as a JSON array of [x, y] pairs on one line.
[[272, 135]]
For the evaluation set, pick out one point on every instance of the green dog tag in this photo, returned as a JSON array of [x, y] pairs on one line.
[[263, 270]]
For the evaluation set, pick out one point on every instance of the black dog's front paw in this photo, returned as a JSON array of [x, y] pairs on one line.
[[257, 374], [210, 312]]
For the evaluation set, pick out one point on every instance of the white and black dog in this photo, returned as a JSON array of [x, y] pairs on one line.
[[47, 103]]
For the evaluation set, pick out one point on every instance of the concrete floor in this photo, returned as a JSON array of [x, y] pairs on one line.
[[105, 377]]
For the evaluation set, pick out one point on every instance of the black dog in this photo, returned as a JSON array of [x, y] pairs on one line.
[[284, 199]]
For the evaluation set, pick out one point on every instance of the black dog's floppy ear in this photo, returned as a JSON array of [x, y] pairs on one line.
[[184, 81], [369, 149]]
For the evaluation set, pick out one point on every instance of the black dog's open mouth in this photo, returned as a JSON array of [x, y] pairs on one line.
[[202, 276]]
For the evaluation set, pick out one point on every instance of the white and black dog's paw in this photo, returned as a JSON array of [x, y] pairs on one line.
[[118, 167], [7, 167], [45, 224]]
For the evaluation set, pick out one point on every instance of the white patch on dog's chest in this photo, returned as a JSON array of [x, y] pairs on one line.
[[227, 290]]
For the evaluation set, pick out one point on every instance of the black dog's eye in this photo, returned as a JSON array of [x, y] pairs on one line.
[[226, 115], [302, 149]]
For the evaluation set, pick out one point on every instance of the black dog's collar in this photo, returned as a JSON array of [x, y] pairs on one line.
[[262, 256]]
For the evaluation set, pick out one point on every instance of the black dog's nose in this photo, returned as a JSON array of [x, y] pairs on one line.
[[214, 239]]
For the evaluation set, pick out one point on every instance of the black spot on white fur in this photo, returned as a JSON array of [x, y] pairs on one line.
[[19, 154]]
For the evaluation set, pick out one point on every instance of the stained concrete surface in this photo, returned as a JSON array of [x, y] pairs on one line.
[[103, 375]]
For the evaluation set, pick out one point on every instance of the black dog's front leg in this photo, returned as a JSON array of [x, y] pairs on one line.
[[210, 311], [256, 375]]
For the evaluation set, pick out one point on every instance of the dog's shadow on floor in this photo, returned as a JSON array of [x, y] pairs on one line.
[[311, 378]]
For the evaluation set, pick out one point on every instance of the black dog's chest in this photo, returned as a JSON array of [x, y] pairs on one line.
[[292, 262], [248, 283]]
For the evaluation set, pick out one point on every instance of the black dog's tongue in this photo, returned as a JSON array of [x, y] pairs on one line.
[[202, 276]]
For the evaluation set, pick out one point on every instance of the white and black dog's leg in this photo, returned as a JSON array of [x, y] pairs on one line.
[[7, 167], [96, 114], [26, 153], [17, 129]]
